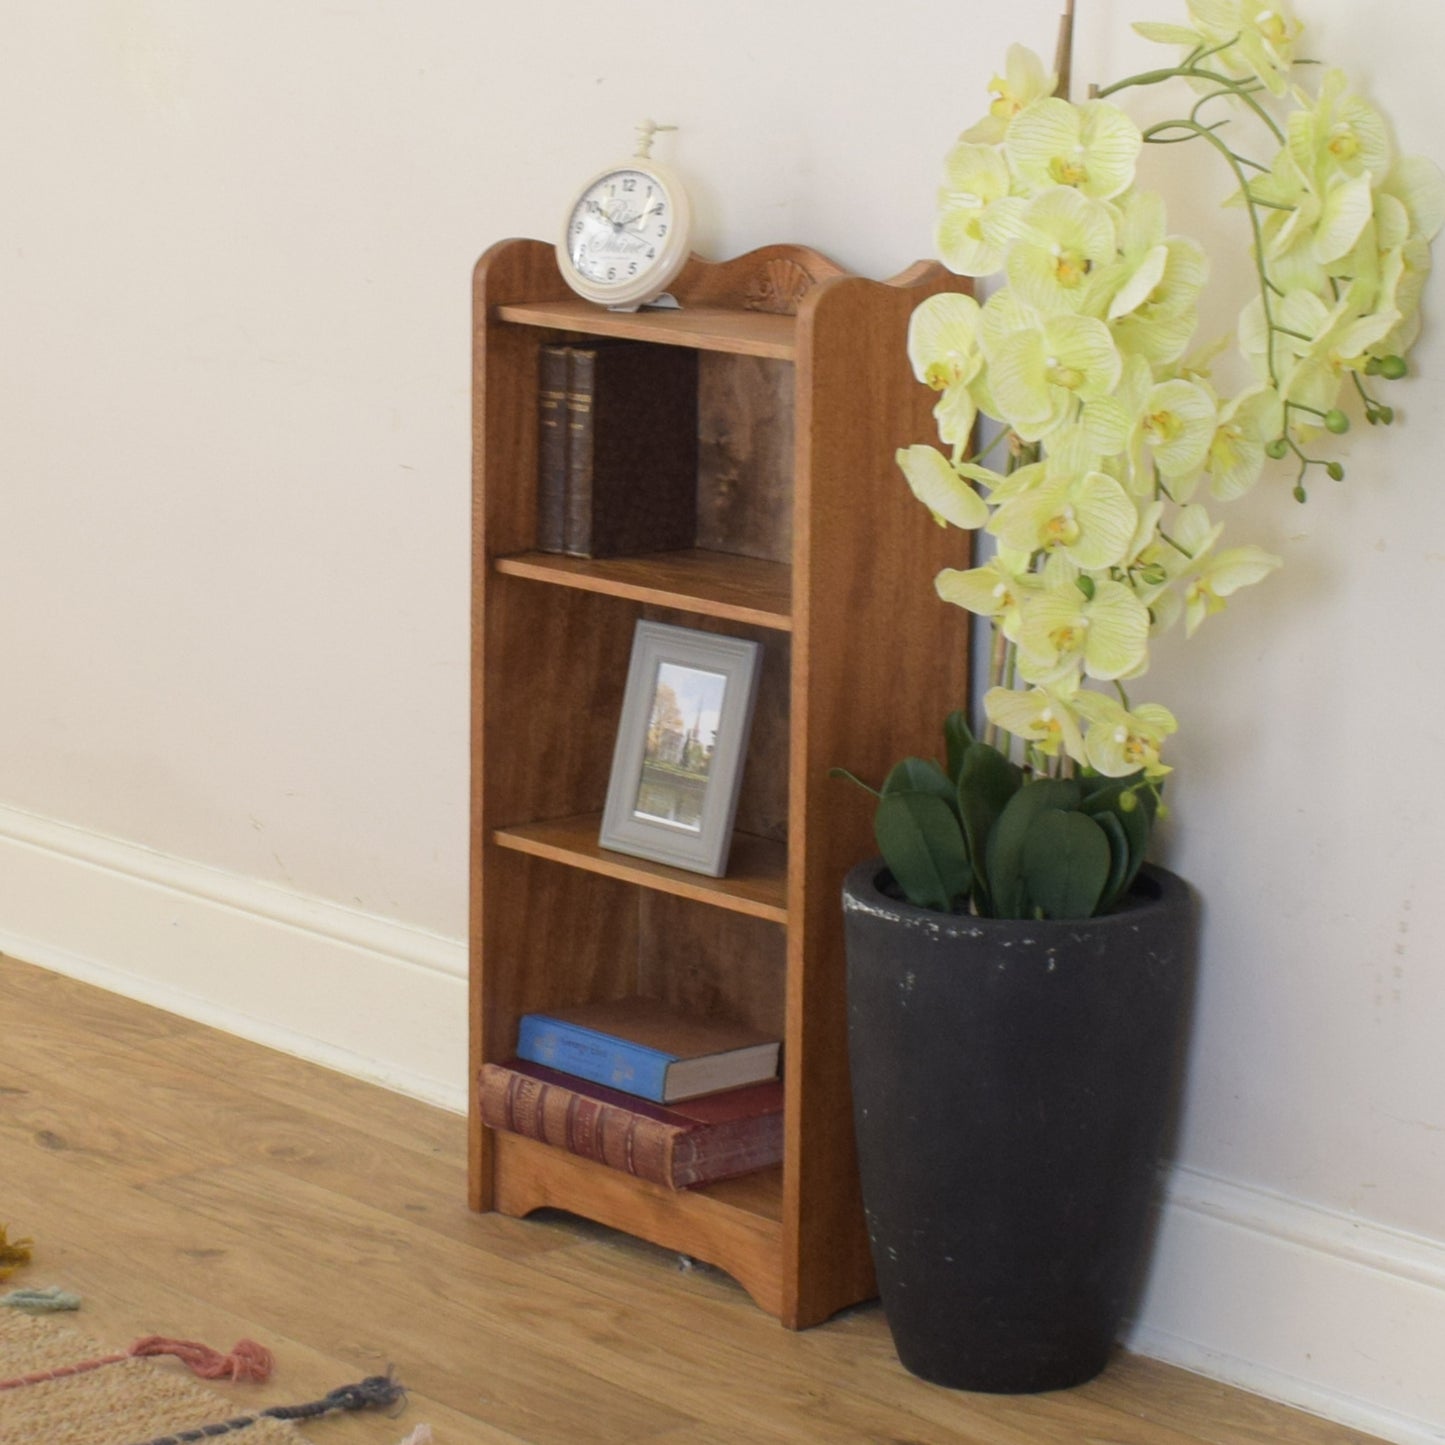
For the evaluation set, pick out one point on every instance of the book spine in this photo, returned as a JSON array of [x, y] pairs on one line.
[[553, 369], [581, 387], [589, 1128], [599, 1058]]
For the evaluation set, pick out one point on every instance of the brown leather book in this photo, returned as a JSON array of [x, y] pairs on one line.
[[553, 368], [699, 1141], [632, 449]]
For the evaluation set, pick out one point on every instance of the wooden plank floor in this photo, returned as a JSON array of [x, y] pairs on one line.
[[187, 1183]]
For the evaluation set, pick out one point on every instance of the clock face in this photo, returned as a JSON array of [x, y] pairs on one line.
[[626, 236]]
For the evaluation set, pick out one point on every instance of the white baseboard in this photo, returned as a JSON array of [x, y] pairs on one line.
[[1333, 1314], [1336, 1315], [361, 994]]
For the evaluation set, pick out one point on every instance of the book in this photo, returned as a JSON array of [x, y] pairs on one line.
[[632, 449], [648, 1048], [554, 365], [695, 1141]]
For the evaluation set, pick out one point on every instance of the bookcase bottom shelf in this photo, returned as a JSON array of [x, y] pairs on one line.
[[734, 1225]]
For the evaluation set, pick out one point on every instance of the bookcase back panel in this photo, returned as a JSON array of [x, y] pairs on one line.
[[556, 672], [713, 964], [763, 795], [554, 936], [745, 456]]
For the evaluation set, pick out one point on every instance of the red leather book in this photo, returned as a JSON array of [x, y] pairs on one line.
[[696, 1141]]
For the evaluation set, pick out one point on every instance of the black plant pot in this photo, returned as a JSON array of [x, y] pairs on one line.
[[1013, 1086]]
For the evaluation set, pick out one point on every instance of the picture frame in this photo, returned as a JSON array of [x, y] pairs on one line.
[[678, 761]]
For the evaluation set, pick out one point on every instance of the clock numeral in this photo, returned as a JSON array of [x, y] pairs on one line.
[[630, 184], [651, 252], [662, 228], [632, 268]]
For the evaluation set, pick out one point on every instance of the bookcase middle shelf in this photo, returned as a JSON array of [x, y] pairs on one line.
[[716, 584], [756, 882]]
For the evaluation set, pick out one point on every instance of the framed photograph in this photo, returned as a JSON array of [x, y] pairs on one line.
[[680, 744]]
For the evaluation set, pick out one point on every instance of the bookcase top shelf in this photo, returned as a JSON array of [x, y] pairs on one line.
[[705, 328], [717, 584]]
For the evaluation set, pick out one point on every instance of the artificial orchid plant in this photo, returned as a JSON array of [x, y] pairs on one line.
[[1117, 437]]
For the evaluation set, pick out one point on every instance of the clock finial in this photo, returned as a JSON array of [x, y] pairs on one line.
[[645, 133]]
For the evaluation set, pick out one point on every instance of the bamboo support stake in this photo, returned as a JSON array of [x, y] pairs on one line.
[[1064, 54]]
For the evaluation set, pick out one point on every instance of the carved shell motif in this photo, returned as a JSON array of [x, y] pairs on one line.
[[778, 287]]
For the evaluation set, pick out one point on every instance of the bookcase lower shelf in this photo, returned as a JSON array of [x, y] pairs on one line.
[[734, 1225]]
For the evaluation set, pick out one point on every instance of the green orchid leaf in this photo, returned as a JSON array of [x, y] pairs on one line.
[[1102, 791], [1065, 861], [959, 738], [853, 778], [922, 843], [986, 782], [1004, 858], [1138, 824], [918, 775], [1121, 855]]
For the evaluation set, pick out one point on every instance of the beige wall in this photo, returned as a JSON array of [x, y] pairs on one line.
[[234, 253]]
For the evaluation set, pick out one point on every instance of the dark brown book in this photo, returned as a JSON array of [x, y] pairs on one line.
[[631, 448], [553, 368], [699, 1141]]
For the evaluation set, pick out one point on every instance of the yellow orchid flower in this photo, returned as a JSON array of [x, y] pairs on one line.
[[1309, 221], [1247, 424], [1177, 426], [1220, 577], [1259, 40], [1160, 330], [1415, 265], [1045, 368], [1043, 716], [938, 486], [1120, 741], [977, 214], [1164, 426], [1092, 147], [1157, 566], [1065, 242], [1340, 341], [1024, 81], [1418, 184], [1338, 132], [1088, 517], [1106, 634], [943, 348], [994, 590]]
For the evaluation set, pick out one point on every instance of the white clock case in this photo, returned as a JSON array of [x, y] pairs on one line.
[[672, 255]]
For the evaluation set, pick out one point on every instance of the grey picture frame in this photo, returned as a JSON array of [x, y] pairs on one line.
[[677, 764]]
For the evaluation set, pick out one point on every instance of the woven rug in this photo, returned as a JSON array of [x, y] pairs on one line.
[[132, 1401]]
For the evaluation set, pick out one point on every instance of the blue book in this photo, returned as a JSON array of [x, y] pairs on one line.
[[648, 1048]]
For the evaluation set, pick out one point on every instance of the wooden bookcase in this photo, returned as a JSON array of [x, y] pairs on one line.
[[808, 541]]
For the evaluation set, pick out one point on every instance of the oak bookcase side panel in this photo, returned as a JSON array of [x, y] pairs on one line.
[[503, 518], [885, 660]]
